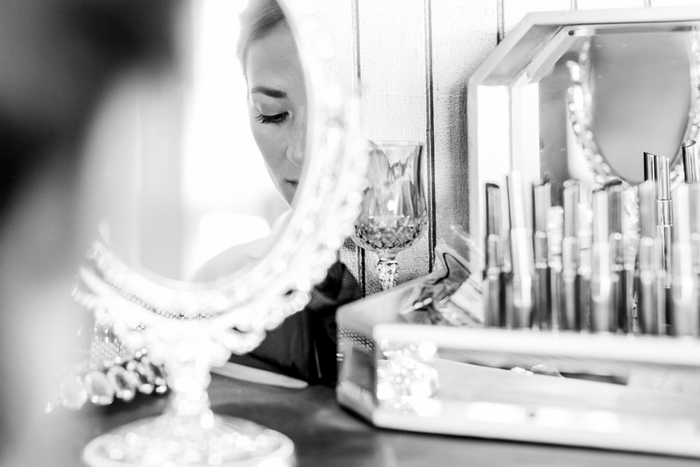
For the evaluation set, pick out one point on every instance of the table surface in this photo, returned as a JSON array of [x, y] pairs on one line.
[[326, 434]]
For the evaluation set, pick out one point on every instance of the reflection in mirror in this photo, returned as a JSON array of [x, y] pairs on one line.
[[583, 95], [209, 156], [612, 96]]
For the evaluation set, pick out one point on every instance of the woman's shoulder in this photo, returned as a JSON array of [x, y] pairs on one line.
[[241, 256], [231, 260]]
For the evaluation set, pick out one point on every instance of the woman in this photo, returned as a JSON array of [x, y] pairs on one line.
[[304, 346]]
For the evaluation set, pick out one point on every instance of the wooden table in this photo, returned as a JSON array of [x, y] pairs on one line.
[[325, 434]]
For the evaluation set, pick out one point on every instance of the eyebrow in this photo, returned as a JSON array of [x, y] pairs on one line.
[[276, 93]]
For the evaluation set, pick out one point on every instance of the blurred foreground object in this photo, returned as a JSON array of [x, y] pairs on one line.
[[58, 56]]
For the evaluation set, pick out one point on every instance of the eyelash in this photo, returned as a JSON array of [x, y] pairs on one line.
[[273, 119]]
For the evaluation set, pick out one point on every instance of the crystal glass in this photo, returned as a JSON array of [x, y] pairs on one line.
[[394, 212]]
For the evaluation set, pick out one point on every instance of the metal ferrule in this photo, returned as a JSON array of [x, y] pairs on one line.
[[694, 195], [495, 241], [569, 274], [495, 291], [622, 302], [601, 291], [657, 298], [522, 262], [691, 165], [572, 198], [570, 257], [650, 171], [646, 287], [684, 291], [541, 202], [663, 191], [615, 223], [646, 274], [647, 209], [664, 212]]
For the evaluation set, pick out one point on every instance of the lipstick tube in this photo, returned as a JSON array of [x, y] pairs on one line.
[[664, 212], [620, 277], [585, 240], [691, 164], [495, 275], [556, 298], [571, 280], [694, 191], [694, 195], [602, 316], [522, 263], [650, 290], [541, 202], [684, 293]]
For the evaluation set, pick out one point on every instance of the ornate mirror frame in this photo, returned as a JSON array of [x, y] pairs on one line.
[[325, 208], [503, 93]]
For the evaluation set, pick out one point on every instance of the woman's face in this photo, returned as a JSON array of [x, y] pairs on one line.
[[277, 107]]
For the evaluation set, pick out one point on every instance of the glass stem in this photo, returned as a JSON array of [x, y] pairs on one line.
[[386, 270]]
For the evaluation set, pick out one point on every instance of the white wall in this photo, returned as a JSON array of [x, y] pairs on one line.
[[412, 62]]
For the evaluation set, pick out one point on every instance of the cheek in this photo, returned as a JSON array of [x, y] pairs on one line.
[[269, 141]]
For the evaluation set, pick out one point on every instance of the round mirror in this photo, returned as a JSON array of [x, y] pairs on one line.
[[208, 176], [196, 169], [628, 93], [226, 184]]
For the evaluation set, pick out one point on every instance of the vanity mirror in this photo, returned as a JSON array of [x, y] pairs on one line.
[[151, 278], [583, 94]]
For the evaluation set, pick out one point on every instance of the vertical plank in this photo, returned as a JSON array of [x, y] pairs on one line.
[[337, 19], [392, 60], [667, 3], [515, 10], [464, 34], [429, 129], [493, 139], [602, 4], [334, 19]]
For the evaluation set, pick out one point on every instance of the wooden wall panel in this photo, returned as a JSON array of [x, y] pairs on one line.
[[603, 4], [393, 87], [666, 3], [397, 76], [464, 34], [515, 10], [337, 19]]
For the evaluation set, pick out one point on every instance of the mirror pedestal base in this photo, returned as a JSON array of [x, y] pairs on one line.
[[163, 440]]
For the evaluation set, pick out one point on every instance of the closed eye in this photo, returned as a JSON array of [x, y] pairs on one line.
[[274, 119]]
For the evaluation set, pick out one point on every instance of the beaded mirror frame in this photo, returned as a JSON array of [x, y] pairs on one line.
[[326, 206]]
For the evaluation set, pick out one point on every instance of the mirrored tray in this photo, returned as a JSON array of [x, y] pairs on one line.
[[621, 392]]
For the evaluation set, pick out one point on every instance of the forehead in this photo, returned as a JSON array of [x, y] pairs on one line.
[[273, 61]]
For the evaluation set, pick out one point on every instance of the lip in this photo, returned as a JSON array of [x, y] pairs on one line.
[[294, 183]]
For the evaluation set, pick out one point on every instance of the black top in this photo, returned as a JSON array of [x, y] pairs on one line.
[[304, 345]]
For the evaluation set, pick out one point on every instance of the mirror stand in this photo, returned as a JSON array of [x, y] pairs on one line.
[[188, 432]]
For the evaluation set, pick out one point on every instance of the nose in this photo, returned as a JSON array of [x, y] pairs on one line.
[[296, 143], [295, 153]]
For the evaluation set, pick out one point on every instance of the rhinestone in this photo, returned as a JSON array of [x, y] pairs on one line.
[[99, 389], [144, 374], [123, 382]]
